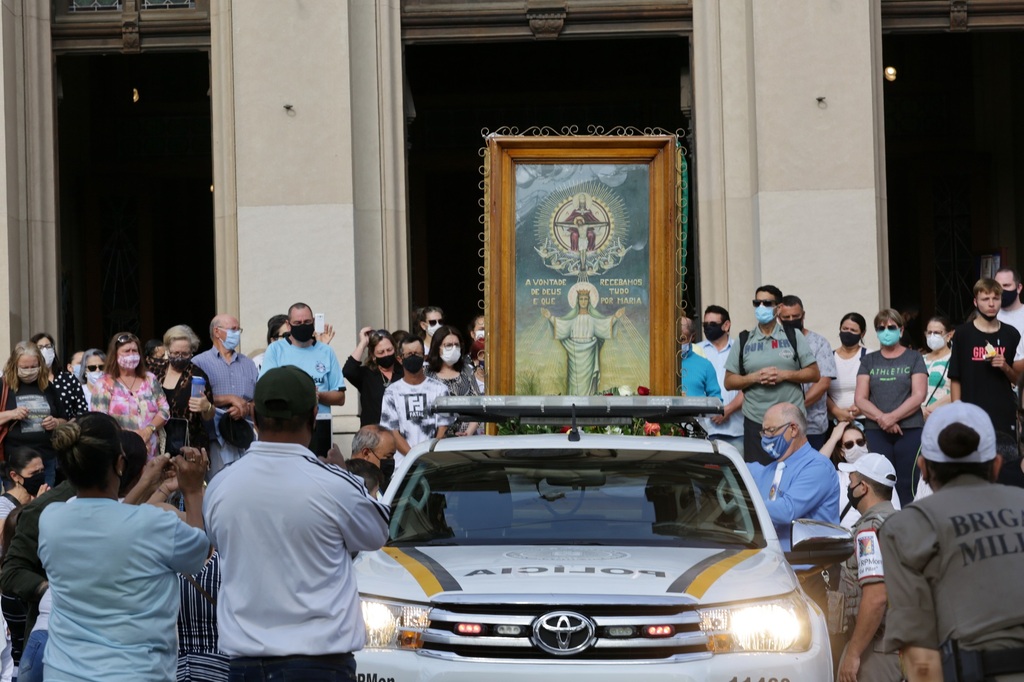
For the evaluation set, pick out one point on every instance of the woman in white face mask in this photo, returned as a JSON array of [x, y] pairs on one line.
[[69, 391], [849, 446], [91, 370], [937, 335], [446, 363], [29, 409]]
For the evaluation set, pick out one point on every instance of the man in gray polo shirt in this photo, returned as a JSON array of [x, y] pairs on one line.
[[791, 314], [770, 370]]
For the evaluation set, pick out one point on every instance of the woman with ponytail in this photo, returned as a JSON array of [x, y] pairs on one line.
[[24, 480], [112, 568]]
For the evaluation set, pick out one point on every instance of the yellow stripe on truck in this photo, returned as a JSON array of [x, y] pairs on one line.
[[417, 570], [706, 578]]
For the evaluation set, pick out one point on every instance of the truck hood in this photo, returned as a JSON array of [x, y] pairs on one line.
[[710, 575]]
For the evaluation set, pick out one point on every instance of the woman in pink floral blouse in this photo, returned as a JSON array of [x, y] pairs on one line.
[[130, 394]]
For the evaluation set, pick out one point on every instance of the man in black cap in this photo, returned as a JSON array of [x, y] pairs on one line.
[[285, 523]]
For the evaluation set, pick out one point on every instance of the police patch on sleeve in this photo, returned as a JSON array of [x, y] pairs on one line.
[[869, 556]]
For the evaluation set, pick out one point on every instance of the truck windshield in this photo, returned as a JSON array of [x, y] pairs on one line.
[[610, 497]]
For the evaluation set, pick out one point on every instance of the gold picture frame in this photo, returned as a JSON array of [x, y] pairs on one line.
[[583, 274]]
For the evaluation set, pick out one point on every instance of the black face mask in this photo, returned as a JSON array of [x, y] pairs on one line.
[[33, 483], [793, 324], [386, 361], [412, 364], [855, 500], [849, 339], [181, 364], [1010, 298], [158, 365], [987, 318], [302, 332], [713, 331]]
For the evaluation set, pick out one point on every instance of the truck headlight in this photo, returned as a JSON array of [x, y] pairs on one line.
[[777, 625], [393, 625]]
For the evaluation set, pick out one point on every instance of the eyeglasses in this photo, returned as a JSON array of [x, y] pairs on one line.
[[888, 326], [772, 430], [767, 304], [124, 338], [40, 346], [451, 346], [850, 443], [379, 333], [94, 368], [179, 356]]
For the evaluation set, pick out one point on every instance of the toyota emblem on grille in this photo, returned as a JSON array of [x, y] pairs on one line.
[[563, 633]]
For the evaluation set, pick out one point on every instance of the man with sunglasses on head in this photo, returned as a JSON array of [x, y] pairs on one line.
[[981, 366], [769, 364], [302, 349]]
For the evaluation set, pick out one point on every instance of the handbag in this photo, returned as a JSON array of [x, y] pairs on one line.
[[6, 427]]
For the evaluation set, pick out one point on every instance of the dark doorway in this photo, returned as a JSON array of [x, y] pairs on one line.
[[136, 204], [953, 151], [458, 90]]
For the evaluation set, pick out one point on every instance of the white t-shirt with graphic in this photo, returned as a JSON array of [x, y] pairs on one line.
[[409, 409]]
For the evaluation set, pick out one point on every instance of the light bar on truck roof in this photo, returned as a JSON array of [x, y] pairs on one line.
[[587, 409]]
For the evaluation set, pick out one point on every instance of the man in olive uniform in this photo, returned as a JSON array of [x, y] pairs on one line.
[[954, 561], [862, 578]]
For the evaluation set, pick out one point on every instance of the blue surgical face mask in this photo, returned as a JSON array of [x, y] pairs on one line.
[[776, 445], [231, 338], [764, 314], [889, 337], [685, 348]]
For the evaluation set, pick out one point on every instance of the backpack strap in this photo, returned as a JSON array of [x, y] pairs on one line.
[[791, 335], [744, 335]]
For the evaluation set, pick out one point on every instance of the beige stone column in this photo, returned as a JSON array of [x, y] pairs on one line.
[[28, 233], [790, 155], [378, 146], [309, 166]]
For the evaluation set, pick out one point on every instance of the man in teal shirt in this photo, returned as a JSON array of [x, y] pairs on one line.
[[697, 374]]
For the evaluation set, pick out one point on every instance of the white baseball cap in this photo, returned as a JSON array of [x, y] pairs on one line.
[[966, 414], [874, 466]]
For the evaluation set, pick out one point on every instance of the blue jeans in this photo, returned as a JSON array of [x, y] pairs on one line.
[[336, 668], [902, 452], [30, 669]]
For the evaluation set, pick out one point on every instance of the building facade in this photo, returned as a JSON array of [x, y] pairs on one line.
[[166, 159]]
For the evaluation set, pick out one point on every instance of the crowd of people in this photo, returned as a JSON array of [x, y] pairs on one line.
[[109, 586], [850, 436]]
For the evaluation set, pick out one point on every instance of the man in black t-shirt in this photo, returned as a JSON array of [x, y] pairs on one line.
[[981, 367]]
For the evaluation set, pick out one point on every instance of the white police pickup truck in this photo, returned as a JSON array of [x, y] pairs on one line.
[[588, 557]]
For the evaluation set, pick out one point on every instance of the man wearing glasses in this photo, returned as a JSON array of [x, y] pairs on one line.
[[769, 364], [797, 484], [316, 359]]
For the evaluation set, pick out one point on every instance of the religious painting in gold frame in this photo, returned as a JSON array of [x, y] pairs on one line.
[[582, 264]]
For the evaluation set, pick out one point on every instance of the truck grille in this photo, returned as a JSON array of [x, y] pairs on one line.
[[577, 630]]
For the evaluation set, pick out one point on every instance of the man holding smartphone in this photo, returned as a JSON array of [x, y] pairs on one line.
[[301, 349]]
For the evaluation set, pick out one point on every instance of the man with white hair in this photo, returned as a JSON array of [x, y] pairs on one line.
[[954, 560], [798, 483]]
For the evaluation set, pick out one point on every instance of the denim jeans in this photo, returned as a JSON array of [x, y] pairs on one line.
[[336, 668], [30, 669]]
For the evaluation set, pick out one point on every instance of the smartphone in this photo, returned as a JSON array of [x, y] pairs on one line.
[[318, 323]]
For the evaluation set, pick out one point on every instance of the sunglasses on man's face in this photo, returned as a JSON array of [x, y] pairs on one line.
[[888, 326], [766, 303]]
